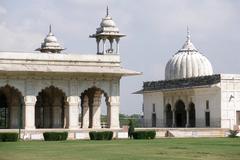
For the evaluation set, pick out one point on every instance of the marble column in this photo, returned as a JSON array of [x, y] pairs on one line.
[[165, 118], [114, 115], [30, 102], [104, 51], [114, 101], [98, 41], [173, 118], [187, 117], [73, 102], [117, 45], [108, 115], [85, 112], [96, 116], [66, 116], [111, 45]]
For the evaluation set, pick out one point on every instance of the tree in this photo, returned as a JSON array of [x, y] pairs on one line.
[[130, 129]]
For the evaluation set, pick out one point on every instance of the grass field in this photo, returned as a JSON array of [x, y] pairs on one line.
[[165, 149]]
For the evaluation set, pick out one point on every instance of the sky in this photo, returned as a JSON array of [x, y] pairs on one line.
[[155, 29]]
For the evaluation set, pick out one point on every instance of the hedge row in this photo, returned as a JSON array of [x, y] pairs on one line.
[[8, 137], [105, 135], [144, 134], [55, 136]]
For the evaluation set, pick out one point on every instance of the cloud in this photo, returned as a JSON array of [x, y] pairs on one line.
[[16, 37], [3, 11], [17, 40]]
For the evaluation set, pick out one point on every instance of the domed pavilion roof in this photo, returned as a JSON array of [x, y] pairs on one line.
[[107, 28], [50, 44], [188, 62]]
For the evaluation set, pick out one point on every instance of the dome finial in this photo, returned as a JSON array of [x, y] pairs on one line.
[[107, 11], [188, 34]]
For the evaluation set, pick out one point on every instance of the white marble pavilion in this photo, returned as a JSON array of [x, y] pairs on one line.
[[191, 94], [48, 89]]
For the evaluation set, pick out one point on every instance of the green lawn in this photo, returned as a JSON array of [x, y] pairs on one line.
[[165, 149]]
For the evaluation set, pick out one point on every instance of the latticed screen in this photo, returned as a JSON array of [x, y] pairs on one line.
[[3, 117]]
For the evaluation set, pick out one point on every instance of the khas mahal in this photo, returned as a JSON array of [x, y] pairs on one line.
[[48, 89]]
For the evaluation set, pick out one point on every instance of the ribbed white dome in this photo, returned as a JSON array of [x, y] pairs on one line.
[[187, 62], [50, 38], [107, 22], [50, 44], [107, 25]]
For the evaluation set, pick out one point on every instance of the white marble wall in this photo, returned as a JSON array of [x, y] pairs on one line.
[[150, 99], [230, 100], [198, 96]]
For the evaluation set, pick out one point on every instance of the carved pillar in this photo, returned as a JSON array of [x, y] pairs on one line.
[[30, 102], [173, 117], [165, 121], [108, 115], [98, 41], [117, 45], [114, 101], [85, 112], [66, 116], [104, 40], [73, 102], [187, 117], [111, 45], [96, 116], [114, 115]]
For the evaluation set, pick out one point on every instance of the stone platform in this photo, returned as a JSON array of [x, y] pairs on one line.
[[188, 132], [37, 134]]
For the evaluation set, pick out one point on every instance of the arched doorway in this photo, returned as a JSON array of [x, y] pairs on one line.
[[50, 110], [10, 102], [91, 103], [168, 111], [192, 117], [180, 114]]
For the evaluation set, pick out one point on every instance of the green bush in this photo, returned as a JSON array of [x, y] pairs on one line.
[[8, 137], [151, 134], [144, 134], [233, 133], [55, 136], [105, 135]]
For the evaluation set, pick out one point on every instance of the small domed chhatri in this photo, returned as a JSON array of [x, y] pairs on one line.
[[108, 31], [50, 44], [187, 63], [107, 24]]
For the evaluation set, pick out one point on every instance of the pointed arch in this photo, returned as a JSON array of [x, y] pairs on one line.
[[180, 114], [94, 95], [10, 107], [51, 108]]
